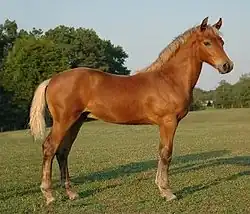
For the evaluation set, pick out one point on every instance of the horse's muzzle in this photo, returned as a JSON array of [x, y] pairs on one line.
[[226, 67]]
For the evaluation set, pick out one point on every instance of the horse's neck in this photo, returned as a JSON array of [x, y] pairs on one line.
[[187, 70]]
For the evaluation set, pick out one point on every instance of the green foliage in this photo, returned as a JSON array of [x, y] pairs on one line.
[[196, 105], [30, 62], [223, 97], [83, 47], [8, 35]]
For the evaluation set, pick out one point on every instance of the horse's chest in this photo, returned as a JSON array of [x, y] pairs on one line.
[[174, 106]]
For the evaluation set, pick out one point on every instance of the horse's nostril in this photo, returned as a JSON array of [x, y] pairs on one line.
[[226, 66]]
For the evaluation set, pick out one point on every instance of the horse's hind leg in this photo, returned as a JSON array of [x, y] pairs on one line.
[[63, 152], [50, 146]]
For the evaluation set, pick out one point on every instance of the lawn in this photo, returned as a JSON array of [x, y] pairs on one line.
[[113, 168]]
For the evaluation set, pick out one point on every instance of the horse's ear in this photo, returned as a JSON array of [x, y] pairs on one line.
[[218, 24], [204, 24]]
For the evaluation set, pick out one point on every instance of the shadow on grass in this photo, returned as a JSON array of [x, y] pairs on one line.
[[191, 162], [136, 167], [192, 189], [90, 192]]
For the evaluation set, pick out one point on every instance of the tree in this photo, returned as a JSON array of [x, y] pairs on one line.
[[242, 91], [196, 105], [30, 62], [224, 98], [8, 35], [83, 47]]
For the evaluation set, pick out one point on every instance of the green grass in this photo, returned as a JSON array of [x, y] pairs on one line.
[[113, 168]]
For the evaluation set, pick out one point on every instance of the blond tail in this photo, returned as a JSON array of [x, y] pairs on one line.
[[37, 112]]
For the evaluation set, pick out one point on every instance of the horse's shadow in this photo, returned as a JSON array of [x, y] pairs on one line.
[[190, 162], [192, 189]]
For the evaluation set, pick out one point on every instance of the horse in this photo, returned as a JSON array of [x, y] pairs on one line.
[[157, 95]]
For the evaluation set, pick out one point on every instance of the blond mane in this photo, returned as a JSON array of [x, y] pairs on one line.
[[168, 52]]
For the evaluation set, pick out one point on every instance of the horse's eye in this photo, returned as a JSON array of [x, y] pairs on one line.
[[206, 43]]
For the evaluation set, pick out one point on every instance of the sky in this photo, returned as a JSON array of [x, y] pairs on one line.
[[143, 27]]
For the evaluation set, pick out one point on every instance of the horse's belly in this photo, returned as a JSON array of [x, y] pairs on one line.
[[120, 114]]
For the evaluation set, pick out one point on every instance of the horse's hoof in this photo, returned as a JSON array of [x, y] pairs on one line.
[[168, 195], [50, 200], [72, 195]]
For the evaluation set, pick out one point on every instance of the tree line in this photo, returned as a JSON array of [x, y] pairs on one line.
[[225, 96], [29, 57]]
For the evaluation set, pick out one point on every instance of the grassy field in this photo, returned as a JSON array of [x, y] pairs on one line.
[[113, 168]]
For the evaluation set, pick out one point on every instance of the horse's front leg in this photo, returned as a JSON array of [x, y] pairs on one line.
[[167, 127]]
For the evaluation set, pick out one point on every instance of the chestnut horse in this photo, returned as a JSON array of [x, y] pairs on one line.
[[158, 95]]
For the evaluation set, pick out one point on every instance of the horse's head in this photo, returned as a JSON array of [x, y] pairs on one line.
[[210, 46]]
